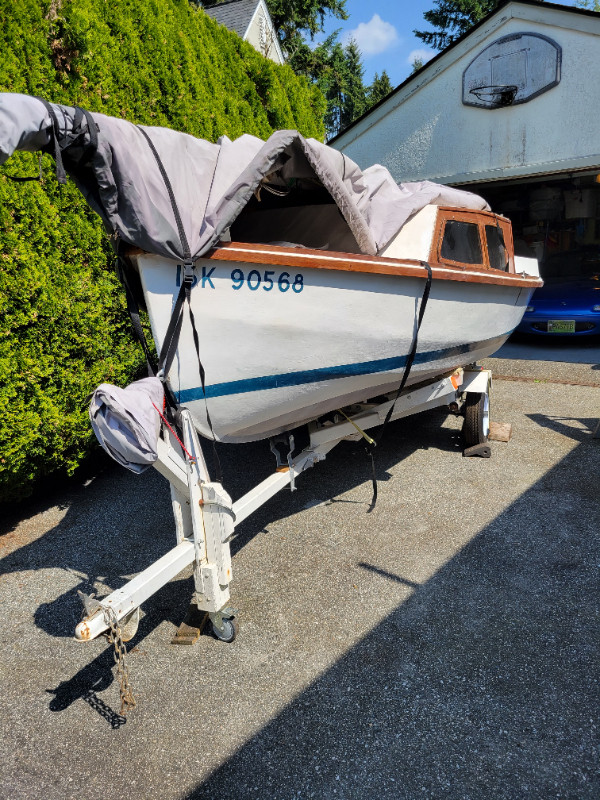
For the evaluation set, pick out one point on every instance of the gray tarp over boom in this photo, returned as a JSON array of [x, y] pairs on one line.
[[119, 176]]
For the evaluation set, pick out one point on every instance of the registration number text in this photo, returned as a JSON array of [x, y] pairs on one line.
[[253, 280]]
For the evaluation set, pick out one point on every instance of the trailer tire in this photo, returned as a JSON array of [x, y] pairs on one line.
[[476, 426]]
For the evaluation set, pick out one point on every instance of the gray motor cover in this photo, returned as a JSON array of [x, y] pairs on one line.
[[127, 421]]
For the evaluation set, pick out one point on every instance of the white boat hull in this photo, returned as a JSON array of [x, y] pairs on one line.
[[280, 350]]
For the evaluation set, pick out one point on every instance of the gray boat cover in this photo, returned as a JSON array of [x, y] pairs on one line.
[[212, 183], [127, 422]]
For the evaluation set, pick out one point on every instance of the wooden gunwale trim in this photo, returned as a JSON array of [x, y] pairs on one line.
[[273, 255]]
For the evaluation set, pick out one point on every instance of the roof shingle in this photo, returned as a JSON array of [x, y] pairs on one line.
[[234, 14]]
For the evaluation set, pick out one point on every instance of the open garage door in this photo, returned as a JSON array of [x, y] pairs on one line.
[[557, 220]]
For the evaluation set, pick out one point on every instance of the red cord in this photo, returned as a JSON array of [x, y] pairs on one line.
[[183, 447]]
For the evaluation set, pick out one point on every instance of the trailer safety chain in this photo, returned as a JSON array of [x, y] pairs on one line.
[[116, 639]]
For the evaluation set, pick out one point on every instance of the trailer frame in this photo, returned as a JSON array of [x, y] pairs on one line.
[[205, 516]]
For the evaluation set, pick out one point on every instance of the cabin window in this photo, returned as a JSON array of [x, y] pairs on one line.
[[495, 246], [461, 242]]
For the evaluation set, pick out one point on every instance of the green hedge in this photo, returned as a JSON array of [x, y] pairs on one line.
[[63, 325]]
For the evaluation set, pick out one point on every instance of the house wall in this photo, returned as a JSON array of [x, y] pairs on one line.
[[261, 35], [425, 131]]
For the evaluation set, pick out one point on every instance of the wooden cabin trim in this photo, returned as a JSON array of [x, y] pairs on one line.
[[273, 255], [481, 219]]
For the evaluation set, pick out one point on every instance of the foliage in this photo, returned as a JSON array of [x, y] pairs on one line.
[[294, 19], [355, 92], [336, 69], [63, 325], [341, 81], [590, 5], [379, 89], [63, 330], [338, 72], [453, 18], [332, 81]]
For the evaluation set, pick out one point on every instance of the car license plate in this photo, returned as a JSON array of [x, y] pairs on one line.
[[561, 326]]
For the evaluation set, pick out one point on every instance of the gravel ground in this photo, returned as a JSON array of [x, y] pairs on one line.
[[443, 646]]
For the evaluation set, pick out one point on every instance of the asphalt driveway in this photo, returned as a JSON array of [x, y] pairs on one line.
[[444, 645]]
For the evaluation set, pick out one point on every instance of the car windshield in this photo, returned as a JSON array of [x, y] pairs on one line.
[[573, 264]]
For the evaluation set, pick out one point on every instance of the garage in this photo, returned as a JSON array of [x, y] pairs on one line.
[[509, 111], [556, 220]]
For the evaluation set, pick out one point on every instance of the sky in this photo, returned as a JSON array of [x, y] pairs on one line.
[[384, 32]]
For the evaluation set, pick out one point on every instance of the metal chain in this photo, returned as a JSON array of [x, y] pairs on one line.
[[116, 639]]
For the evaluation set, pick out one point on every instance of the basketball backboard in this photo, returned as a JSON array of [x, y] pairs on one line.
[[512, 70]]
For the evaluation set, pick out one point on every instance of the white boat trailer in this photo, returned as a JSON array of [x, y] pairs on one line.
[[205, 516]]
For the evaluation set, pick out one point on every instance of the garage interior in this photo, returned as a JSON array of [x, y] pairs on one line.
[[556, 219], [551, 214]]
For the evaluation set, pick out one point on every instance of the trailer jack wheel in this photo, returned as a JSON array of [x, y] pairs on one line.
[[228, 630]]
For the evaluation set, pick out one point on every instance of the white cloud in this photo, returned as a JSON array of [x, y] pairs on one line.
[[420, 55], [373, 37]]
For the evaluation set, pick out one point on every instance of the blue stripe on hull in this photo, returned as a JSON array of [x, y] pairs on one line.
[[327, 373]]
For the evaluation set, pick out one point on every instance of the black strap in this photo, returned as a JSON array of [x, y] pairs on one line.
[[407, 368], [93, 134], [187, 256], [55, 135], [134, 315], [171, 340], [61, 138], [171, 410]]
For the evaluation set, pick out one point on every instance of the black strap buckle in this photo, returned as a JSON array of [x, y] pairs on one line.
[[188, 273]]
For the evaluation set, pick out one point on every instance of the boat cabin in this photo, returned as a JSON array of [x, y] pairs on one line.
[[456, 238], [459, 238]]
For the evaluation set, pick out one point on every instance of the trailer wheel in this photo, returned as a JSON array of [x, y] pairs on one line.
[[229, 632], [476, 426]]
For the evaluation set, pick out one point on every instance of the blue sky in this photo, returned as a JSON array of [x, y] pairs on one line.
[[384, 32]]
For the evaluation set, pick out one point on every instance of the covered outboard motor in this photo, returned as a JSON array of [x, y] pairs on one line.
[[127, 421]]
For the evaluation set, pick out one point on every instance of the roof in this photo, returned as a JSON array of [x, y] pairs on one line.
[[418, 73], [234, 14]]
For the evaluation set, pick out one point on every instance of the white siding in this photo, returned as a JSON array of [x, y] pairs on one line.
[[261, 35], [425, 131]]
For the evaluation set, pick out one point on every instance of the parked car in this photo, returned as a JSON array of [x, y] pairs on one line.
[[569, 302]]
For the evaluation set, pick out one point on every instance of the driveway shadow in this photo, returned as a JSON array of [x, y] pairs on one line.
[[563, 425], [111, 531], [484, 683]]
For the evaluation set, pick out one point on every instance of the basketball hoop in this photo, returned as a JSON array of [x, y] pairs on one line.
[[495, 96]]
